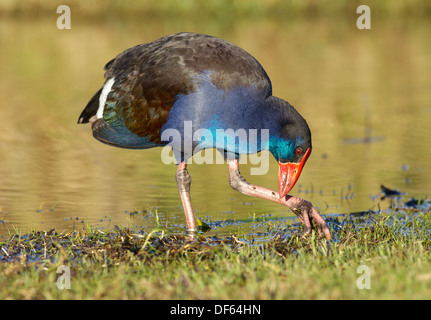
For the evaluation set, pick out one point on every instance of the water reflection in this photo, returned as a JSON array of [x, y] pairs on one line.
[[53, 174]]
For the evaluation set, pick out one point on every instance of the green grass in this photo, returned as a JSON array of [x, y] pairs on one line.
[[120, 264]]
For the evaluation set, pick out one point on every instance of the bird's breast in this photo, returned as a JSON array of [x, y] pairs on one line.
[[235, 119]]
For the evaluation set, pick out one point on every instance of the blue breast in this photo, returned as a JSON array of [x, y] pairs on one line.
[[237, 120]]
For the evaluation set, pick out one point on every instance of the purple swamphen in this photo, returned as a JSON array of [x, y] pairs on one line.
[[197, 85]]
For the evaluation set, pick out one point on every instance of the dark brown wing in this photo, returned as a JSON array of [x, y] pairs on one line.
[[149, 77]]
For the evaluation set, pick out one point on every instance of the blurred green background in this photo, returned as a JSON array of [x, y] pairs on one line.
[[218, 9], [366, 95]]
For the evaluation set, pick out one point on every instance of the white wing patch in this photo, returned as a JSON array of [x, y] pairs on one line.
[[102, 98]]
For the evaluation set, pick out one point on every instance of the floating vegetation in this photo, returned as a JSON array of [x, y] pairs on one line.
[[114, 246], [118, 245]]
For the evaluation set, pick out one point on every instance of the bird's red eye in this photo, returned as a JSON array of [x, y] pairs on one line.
[[298, 151]]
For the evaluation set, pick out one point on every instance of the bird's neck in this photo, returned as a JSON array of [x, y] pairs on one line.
[[285, 114]]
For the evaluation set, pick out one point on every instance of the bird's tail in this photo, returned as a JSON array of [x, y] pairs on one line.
[[118, 136], [91, 109]]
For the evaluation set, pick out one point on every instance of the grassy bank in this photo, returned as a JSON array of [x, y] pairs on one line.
[[121, 264]]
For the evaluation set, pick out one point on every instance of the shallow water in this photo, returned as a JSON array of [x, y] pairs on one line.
[[365, 94]]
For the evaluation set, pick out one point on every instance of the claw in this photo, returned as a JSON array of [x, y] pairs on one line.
[[311, 214], [306, 222], [321, 224]]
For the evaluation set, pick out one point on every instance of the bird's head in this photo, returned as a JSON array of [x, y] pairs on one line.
[[291, 147]]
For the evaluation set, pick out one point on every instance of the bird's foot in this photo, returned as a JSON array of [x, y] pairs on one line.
[[311, 218]]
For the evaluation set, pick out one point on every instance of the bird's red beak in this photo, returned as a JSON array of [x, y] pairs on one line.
[[289, 173]]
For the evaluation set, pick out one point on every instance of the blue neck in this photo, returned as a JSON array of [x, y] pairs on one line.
[[241, 109]]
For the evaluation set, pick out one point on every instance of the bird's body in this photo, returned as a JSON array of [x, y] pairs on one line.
[[203, 82]]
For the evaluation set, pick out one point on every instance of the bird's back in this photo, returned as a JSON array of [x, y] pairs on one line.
[[146, 81]]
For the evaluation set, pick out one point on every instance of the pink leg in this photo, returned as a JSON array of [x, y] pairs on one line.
[[302, 208], [183, 183]]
